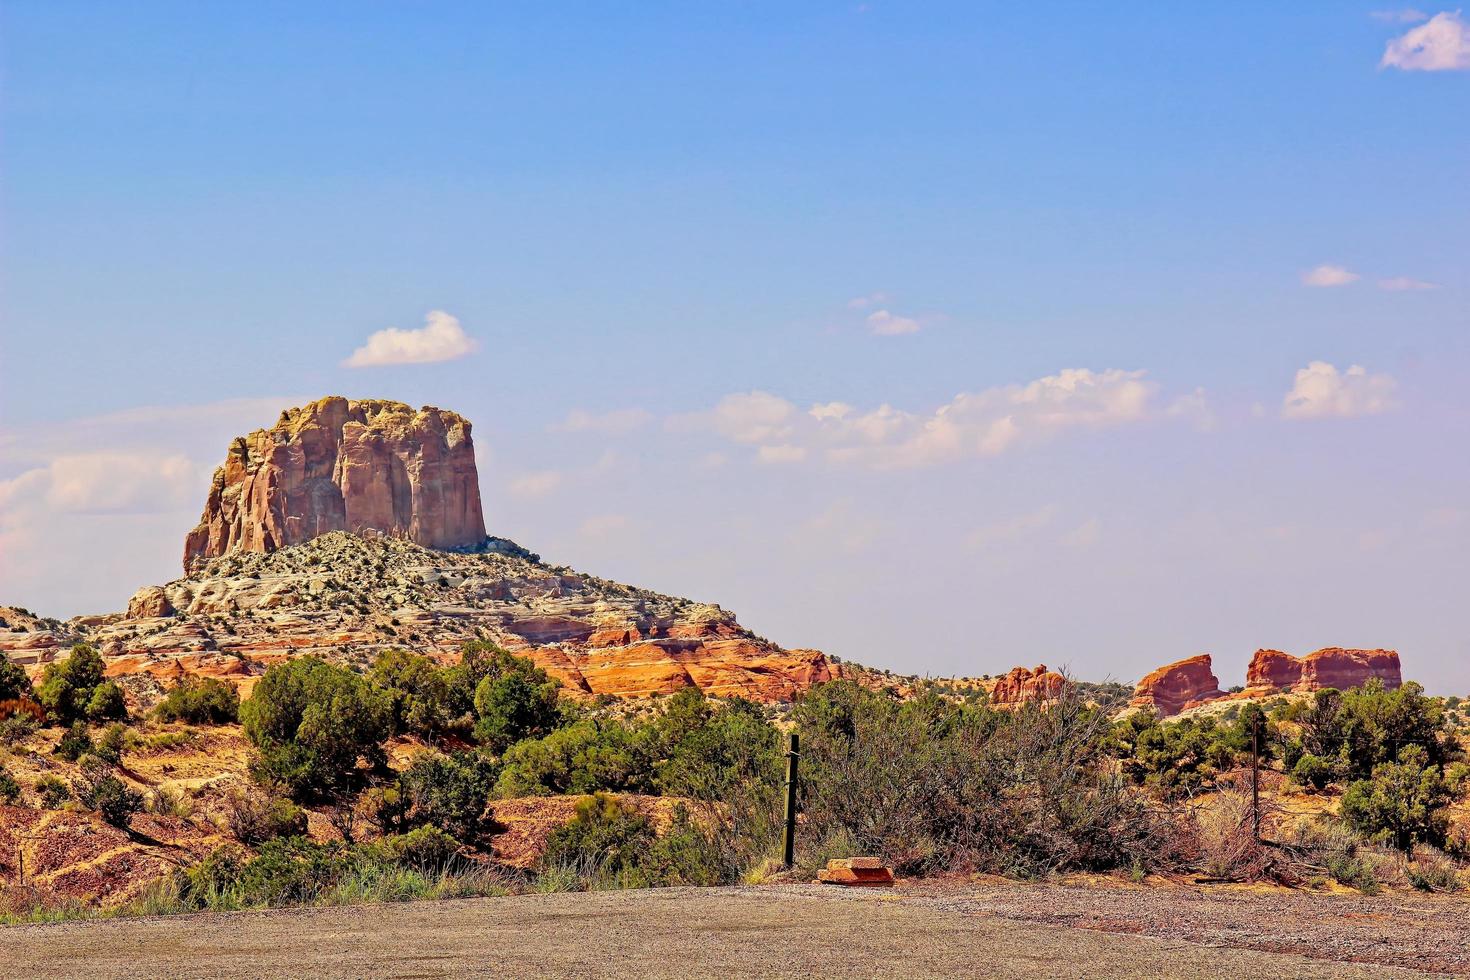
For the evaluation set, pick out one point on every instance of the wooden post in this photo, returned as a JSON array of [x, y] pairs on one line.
[[1256, 775], [788, 836]]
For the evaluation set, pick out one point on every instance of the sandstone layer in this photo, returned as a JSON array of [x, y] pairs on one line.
[[1177, 686], [367, 467]]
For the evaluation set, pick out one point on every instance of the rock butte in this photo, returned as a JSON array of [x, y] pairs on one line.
[[1174, 687], [368, 467], [1191, 682], [353, 526], [1027, 684]]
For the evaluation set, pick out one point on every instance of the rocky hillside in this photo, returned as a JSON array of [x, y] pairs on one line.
[[345, 598]]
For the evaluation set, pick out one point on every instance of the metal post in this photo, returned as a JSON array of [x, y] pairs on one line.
[[788, 837], [1256, 775]]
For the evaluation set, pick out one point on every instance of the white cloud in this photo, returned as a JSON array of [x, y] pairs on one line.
[[863, 302], [1442, 44], [978, 424], [1014, 529], [538, 484], [1399, 284], [1328, 275], [1321, 391], [886, 324], [106, 483], [440, 339], [1194, 407], [617, 422], [783, 453], [1407, 15], [748, 418]]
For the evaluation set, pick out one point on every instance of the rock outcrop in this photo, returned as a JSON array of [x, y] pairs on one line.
[[1177, 686], [1272, 670], [1024, 684], [368, 467]]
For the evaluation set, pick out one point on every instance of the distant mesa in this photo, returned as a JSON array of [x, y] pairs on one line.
[[1191, 682], [369, 467]]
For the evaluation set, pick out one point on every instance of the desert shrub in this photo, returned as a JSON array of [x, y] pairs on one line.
[[1404, 803], [1360, 729], [167, 802], [106, 702], [9, 788], [448, 792], [610, 843], [607, 836], [711, 754], [18, 727], [584, 757], [311, 722], [257, 814], [1312, 771], [295, 871], [200, 701], [1229, 848], [14, 682], [514, 699], [97, 788], [109, 745], [1432, 871], [385, 807], [76, 743], [1354, 871], [423, 698], [1177, 758], [425, 848], [932, 784], [52, 791], [68, 687]]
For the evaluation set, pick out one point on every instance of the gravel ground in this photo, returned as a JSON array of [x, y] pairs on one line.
[[928, 930]]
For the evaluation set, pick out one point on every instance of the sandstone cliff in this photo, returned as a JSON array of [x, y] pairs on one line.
[[1177, 686], [367, 467], [1273, 670]]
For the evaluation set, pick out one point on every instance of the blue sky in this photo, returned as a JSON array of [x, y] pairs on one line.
[[655, 210]]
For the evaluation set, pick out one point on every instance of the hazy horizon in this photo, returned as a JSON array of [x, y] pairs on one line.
[[930, 338]]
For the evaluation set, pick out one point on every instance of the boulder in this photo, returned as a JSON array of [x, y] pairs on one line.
[[1174, 687], [149, 602], [369, 467]]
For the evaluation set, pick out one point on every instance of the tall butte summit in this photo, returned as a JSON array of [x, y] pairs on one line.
[[351, 526], [365, 467]]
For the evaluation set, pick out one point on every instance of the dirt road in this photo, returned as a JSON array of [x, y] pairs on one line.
[[1002, 930]]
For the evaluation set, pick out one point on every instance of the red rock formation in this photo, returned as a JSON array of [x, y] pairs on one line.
[[338, 465], [1174, 687], [1272, 670], [1022, 684]]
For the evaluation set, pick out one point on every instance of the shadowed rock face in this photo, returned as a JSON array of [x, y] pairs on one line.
[[1272, 670], [366, 467], [1182, 684]]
